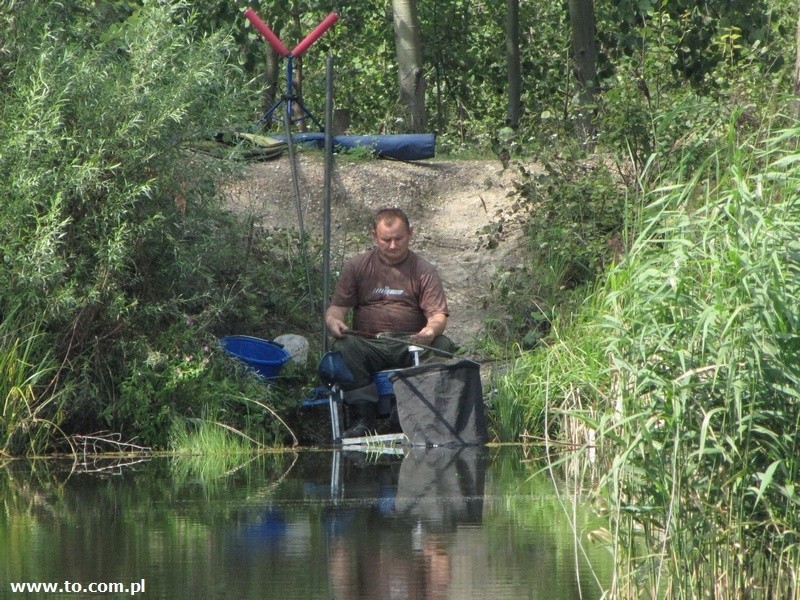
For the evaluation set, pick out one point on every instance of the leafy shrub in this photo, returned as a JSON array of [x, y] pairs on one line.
[[112, 236], [185, 376], [575, 214]]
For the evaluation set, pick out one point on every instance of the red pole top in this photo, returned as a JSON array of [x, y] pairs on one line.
[[273, 39], [312, 37]]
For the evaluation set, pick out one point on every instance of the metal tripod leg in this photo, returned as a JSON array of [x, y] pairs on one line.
[[288, 99], [335, 398], [269, 115]]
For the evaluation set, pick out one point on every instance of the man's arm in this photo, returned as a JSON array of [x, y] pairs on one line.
[[434, 327], [334, 320]]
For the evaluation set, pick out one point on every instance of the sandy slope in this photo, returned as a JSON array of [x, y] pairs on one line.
[[452, 204]]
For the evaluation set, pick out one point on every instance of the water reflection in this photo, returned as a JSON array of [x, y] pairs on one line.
[[435, 523], [390, 527]]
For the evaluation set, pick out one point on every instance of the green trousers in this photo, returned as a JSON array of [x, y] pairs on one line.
[[365, 356]]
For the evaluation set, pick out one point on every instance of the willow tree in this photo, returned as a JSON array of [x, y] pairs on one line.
[[513, 61], [584, 55], [409, 63]]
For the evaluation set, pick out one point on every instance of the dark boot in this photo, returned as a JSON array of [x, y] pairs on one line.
[[364, 417], [362, 405]]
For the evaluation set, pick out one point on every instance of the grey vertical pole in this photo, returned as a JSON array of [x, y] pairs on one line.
[[326, 201], [287, 122]]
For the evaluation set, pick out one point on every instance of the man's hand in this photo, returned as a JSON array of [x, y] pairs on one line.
[[424, 336], [336, 327], [334, 321], [435, 327]]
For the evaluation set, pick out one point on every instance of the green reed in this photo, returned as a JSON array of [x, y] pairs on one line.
[[29, 418], [702, 330], [531, 398]]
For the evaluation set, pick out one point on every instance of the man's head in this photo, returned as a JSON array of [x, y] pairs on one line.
[[391, 233]]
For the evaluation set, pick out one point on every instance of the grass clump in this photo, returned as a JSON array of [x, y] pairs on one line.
[[207, 437], [682, 373], [29, 417], [703, 334]]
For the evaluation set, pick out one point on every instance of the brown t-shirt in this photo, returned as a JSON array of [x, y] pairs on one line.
[[390, 297]]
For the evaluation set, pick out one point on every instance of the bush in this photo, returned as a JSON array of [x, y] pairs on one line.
[[574, 212], [703, 336], [113, 240]]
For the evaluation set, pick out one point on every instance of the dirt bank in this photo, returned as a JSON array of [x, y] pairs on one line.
[[453, 205]]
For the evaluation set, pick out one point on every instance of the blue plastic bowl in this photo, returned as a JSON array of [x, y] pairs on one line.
[[267, 358]]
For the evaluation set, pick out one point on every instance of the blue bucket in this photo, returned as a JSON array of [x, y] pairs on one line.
[[383, 383], [267, 358], [385, 391]]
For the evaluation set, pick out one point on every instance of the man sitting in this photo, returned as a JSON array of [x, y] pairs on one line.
[[397, 299]]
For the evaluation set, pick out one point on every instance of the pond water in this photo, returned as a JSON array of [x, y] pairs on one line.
[[425, 523]]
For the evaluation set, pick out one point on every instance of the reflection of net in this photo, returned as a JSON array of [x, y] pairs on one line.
[[442, 487]]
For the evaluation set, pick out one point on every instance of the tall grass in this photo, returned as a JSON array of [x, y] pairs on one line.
[[29, 417], [563, 375], [702, 330], [680, 377]]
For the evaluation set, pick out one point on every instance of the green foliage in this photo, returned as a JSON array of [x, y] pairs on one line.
[[269, 283], [703, 336], [653, 122], [695, 29], [685, 362], [182, 381], [579, 213], [574, 213], [650, 109], [530, 398], [577, 216], [112, 236], [31, 415]]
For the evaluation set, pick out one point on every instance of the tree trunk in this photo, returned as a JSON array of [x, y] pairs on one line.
[[271, 74], [581, 16], [513, 61], [797, 68], [409, 63], [297, 77]]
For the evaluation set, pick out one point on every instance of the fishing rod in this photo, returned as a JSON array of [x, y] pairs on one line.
[[409, 343], [399, 337]]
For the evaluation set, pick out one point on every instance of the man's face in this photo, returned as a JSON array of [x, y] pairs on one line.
[[392, 239]]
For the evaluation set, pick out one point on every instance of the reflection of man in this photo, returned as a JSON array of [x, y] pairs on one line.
[[391, 290], [378, 567]]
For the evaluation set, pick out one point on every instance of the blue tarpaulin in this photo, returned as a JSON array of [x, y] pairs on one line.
[[408, 146]]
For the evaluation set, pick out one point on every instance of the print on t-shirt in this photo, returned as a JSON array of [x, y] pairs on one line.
[[386, 291]]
